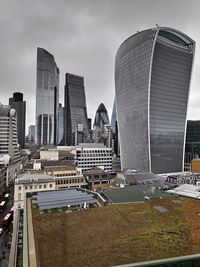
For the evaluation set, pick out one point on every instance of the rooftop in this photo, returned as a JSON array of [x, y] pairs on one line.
[[134, 194], [59, 168], [30, 178], [118, 234], [187, 190]]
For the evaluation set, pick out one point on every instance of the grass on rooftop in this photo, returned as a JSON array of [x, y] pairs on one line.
[[118, 234]]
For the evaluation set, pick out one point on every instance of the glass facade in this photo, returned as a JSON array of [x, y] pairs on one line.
[[17, 103], [47, 98], [192, 146], [152, 78], [101, 117], [60, 125], [114, 118], [75, 107]]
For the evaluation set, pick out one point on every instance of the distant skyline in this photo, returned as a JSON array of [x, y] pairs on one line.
[[84, 36]]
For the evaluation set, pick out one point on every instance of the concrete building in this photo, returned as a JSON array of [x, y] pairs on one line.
[[93, 155], [75, 107], [97, 177], [152, 80], [56, 155], [47, 99], [17, 103], [66, 176], [28, 183], [9, 148]]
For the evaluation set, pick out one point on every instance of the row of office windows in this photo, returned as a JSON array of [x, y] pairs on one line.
[[65, 174], [70, 181], [30, 187]]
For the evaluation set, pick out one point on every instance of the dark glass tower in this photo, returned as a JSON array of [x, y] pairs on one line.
[[101, 117], [75, 107], [114, 118], [61, 112], [114, 127], [192, 146], [152, 79], [47, 99], [17, 103]]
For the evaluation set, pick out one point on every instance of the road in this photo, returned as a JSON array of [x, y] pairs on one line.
[[6, 236]]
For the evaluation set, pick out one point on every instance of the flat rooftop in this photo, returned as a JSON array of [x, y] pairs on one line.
[[133, 193], [118, 234], [187, 190], [30, 178]]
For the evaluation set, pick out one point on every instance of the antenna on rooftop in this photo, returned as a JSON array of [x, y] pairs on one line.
[[157, 25]]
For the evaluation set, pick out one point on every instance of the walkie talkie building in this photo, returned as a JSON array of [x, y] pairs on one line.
[[152, 80]]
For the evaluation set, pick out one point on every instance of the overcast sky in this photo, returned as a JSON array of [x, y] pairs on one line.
[[83, 36]]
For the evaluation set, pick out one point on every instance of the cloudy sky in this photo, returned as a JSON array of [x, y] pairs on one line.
[[83, 36]]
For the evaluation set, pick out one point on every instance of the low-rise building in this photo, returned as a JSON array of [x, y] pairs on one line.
[[27, 183], [56, 154], [97, 177], [66, 176]]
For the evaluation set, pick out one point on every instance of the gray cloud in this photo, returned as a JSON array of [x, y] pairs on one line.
[[84, 37]]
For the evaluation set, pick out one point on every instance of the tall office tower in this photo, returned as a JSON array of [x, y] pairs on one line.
[[114, 118], [75, 107], [101, 117], [17, 103], [8, 134], [152, 79], [31, 134], [89, 124], [61, 112], [102, 132], [114, 127], [47, 99], [192, 146]]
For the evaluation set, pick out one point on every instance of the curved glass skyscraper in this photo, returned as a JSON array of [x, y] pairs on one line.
[[101, 117], [152, 79], [47, 99]]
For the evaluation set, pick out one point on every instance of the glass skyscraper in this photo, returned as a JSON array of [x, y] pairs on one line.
[[61, 112], [101, 117], [17, 103], [47, 99], [152, 79], [75, 107]]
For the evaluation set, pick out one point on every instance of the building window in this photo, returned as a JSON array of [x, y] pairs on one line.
[[40, 186], [26, 187], [35, 186], [45, 186], [50, 185], [31, 187], [19, 196], [19, 187]]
